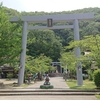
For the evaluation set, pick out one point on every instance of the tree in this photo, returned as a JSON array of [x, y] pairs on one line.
[[44, 42], [89, 43], [10, 39], [69, 61], [39, 64]]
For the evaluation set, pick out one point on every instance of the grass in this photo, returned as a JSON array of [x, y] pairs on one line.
[[87, 85], [24, 85], [98, 96]]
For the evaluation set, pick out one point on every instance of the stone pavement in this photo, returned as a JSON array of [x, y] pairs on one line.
[[48, 97], [57, 82], [8, 84]]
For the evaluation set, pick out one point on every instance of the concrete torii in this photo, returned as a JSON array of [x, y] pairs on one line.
[[53, 18]]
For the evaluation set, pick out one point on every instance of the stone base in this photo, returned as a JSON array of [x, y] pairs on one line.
[[46, 86]]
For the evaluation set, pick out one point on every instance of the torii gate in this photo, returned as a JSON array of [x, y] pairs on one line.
[[55, 18]]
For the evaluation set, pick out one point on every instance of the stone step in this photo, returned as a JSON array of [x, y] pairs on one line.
[[7, 92], [47, 90], [47, 93]]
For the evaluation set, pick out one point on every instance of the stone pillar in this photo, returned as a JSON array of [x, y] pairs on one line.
[[77, 53], [23, 55]]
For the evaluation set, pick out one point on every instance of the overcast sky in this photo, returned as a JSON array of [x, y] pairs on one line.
[[49, 5]]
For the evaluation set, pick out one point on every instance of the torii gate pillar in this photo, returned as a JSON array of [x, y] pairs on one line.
[[23, 54], [77, 53]]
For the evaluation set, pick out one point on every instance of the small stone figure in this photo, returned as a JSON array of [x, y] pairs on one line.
[[47, 79], [46, 84]]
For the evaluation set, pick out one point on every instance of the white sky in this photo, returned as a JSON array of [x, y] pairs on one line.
[[49, 5]]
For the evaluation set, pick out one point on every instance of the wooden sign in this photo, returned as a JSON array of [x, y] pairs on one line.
[[49, 22]]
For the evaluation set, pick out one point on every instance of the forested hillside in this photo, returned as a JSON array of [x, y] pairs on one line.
[[88, 27], [66, 35]]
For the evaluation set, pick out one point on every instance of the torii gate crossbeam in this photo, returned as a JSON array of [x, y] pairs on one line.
[[56, 18]]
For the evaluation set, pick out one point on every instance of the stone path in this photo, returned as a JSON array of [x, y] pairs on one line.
[[57, 82], [50, 97]]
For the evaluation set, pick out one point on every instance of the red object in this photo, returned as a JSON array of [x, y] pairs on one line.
[[29, 75]]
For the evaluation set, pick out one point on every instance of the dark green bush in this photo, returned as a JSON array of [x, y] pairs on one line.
[[85, 76], [46, 87], [97, 77], [90, 75], [9, 75]]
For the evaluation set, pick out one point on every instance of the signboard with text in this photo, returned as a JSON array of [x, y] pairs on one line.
[[49, 22]]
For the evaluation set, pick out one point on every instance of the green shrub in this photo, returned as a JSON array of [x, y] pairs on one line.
[[46, 87], [85, 76], [97, 77], [0, 70], [90, 75], [9, 75]]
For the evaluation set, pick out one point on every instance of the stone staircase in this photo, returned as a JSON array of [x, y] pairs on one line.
[[10, 92]]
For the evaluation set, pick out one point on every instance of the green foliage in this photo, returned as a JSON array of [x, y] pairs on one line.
[[44, 42], [90, 74], [9, 75], [0, 70], [46, 86], [92, 46], [10, 39], [39, 64], [52, 68], [16, 69], [66, 35], [11, 12], [98, 96], [85, 77], [69, 61], [97, 77]]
